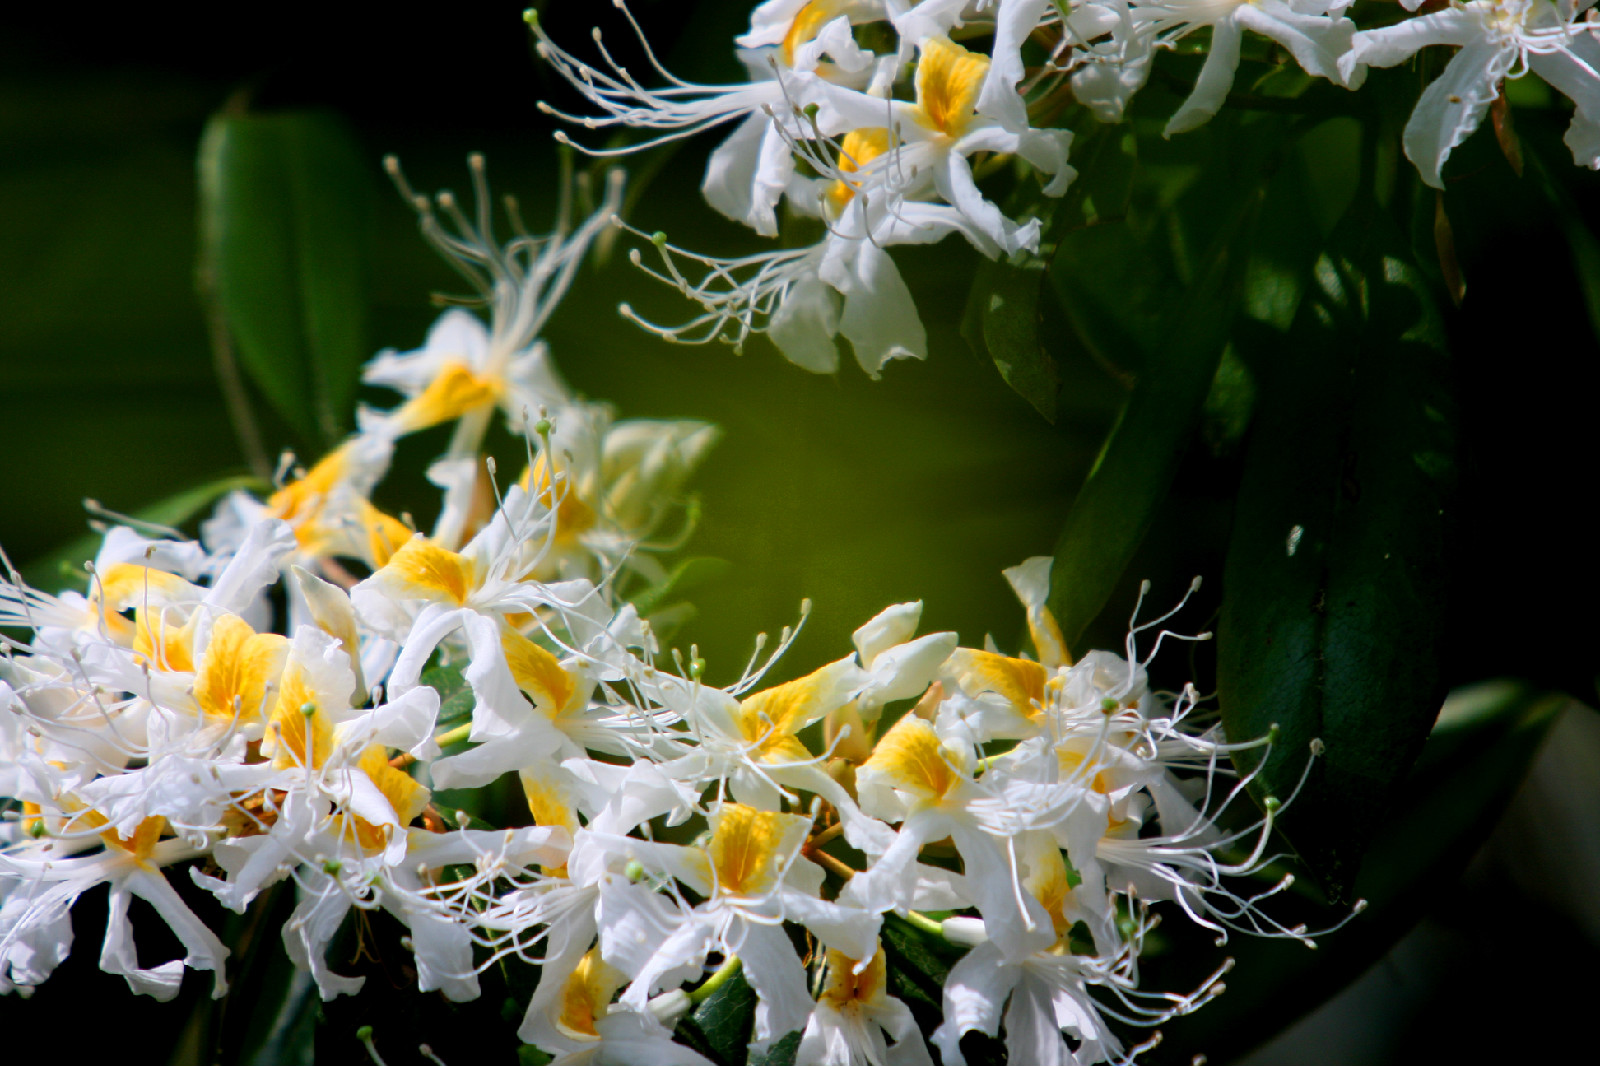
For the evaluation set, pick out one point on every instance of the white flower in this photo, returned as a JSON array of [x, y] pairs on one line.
[[1499, 39]]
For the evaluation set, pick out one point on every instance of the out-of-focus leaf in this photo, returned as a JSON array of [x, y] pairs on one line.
[[67, 562], [285, 204], [686, 575], [1134, 470], [1585, 248], [270, 1015], [1470, 766], [1335, 578], [1010, 325]]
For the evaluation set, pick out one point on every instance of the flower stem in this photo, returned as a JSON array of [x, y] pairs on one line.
[[723, 975]]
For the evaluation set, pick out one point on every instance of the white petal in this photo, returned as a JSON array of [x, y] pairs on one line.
[[1452, 106], [880, 319], [1216, 78], [1013, 23]]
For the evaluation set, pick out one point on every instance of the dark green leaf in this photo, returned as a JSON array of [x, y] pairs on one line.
[[1009, 321], [780, 1053], [1334, 583], [455, 696], [1134, 470], [721, 1025], [285, 200], [1582, 243], [47, 573], [1470, 766]]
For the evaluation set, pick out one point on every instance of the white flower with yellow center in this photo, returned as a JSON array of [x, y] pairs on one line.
[[921, 147], [1499, 40], [1314, 32], [854, 1014], [752, 877], [40, 881], [792, 45]]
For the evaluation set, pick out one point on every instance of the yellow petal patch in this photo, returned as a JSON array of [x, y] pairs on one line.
[[858, 148], [140, 846], [385, 534], [587, 994], [913, 759], [1020, 681], [807, 22], [300, 725], [1049, 885], [748, 847], [162, 645], [124, 585], [455, 392], [844, 988], [560, 495], [538, 673], [408, 798], [948, 80], [1072, 764], [773, 716], [302, 499], [547, 802], [237, 668], [427, 570]]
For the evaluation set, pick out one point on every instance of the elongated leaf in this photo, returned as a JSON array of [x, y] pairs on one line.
[[67, 562], [686, 575], [1335, 578], [1141, 456], [1470, 767], [1009, 320], [285, 200]]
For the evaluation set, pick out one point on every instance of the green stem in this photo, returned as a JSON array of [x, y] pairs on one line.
[[453, 736], [924, 923], [723, 975]]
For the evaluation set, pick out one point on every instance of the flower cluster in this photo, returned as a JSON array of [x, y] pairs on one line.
[[264, 706], [870, 114]]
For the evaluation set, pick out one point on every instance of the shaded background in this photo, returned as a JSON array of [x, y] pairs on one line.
[[854, 493]]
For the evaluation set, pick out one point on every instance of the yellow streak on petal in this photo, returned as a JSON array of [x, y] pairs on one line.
[[912, 758], [298, 719], [1020, 681], [573, 516], [587, 995], [844, 988], [385, 534], [1072, 763], [1048, 883], [302, 499], [433, 572], [858, 148], [772, 717], [408, 798], [161, 645], [747, 847], [538, 673], [139, 846], [455, 392], [807, 21], [547, 804], [123, 585], [237, 668], [948, 81]]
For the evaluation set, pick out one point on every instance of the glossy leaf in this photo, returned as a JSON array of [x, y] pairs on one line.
[[66, 563], [720, 1026], [1334, 584], [1140, 458], [285, 200], [1009, 322]]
